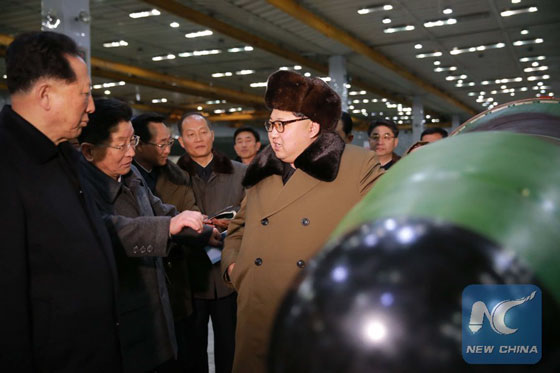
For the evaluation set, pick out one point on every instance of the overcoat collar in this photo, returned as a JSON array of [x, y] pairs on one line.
[[320, 160], [220, 165]]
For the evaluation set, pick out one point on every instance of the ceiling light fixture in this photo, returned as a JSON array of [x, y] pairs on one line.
[[246, 48], [480, 48], [532, 58], [445, 68], [221, 75], [516, 11], [519, 43], [432, 54], [115, 44], [447, 11], [537, 77], [244, 72], [258, 85], [386, 20], [418, 46], [145, 13], [440, 22], [200, 53], [533, 69], [164, 57], [377, 8], [524, 32], [391, 30], [174, 24], [198, 34]]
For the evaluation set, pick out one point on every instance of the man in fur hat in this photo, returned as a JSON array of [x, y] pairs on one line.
[[299, 188]]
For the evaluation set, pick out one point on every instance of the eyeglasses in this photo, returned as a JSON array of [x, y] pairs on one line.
[[386, 137], [161, 147], [123, 148], [269, 125]]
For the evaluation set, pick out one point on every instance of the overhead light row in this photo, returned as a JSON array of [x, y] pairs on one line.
[[376, 8], [532, 58], [440, 22], [516, 11], [115, 44], [228, 73], [108, 85], [145, 13]]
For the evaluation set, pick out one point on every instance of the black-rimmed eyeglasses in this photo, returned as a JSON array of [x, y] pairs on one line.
[[269, 125]]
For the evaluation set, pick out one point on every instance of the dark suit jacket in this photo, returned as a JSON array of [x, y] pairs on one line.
[[138, 223], [222, 189], [57, 271]]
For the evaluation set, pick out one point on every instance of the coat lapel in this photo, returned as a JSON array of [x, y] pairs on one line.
[[299, 185]]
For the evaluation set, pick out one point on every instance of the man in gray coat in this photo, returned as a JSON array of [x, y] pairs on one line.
[[141, 228]]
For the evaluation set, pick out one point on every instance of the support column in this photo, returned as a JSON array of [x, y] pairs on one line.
[[69, 17], [455, 122], [337, 73], [417, 118]]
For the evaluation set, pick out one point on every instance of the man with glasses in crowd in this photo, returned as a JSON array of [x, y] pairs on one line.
[[299, 188], [383, 139], [142, 229]]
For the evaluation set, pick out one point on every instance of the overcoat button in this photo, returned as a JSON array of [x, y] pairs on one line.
[[300, 263], [264, 221], [305, 222], [258, 261]]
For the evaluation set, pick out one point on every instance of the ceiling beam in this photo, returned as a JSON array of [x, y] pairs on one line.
[[297, 11]]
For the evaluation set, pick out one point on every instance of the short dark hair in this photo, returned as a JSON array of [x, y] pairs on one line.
[[191, 114], [34, 55], [247, 129], [109, 112], [347, 123], [432, 130], [140, 124], [383, 122]]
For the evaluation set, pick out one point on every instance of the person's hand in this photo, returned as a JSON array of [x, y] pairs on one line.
[[215, 239], [220, 223], [230, 269], [191, 219]]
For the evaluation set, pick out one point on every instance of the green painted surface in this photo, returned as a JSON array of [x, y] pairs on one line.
[[503, 185], [549, 107]]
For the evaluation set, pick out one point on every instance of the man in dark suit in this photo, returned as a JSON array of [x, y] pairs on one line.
[[57, 270], [142, 229]]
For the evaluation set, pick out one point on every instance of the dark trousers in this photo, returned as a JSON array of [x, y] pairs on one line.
[[192, 335]]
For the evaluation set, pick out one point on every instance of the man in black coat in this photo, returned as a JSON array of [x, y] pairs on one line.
[[57, 271], [142, 229]]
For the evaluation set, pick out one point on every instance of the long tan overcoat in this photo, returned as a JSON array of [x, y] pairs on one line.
[[280, 227]]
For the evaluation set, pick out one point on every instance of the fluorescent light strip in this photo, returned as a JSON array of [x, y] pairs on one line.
[[244, 72], [115, 44], [426, 55], [378, 8], [355, 93], [221, 75], [164, 57], [445, 68], [440, 22], [537, 77], [534, 69], [479, 48], [502, 81], [198, 34], [455, 77], [215, 102], [461, 85], [108, 85], [200, 53], [145, 13], [159, 100], [516, 11], [391, 30], [246, 48], [258, 84], [532, 58], [519, 43]]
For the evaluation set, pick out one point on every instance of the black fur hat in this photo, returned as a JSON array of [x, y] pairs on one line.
[[290, 91]]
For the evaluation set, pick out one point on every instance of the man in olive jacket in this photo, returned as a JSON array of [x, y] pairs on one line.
[[216, 182], [299, 188]]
